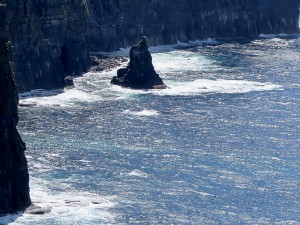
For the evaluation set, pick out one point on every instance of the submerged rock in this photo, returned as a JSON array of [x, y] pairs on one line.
[[69, 82], [140, 73], [14, 177], [38, 210]]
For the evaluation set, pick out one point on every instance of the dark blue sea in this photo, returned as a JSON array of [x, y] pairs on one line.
[[221, 145]]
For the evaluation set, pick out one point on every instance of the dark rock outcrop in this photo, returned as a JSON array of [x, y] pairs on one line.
[[48, 38], [107, 63], [14, 178], [121, 23], [140, 73], [38, 210]]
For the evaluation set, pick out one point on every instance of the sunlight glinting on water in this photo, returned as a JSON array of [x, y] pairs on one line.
[[219, 146]]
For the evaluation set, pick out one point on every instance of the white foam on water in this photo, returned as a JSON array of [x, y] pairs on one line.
[[138, 173], [162, 48], [198, 87], [271, 36], [144, 112], [54, 98], [92, 87], [113, 92], [67, 207], [180, 61], [201, 86]]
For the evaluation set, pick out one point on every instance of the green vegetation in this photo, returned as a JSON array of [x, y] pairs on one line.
[[84, 2]]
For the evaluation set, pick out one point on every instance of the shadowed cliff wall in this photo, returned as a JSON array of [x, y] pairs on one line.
[[14, 178], [121, 23], [48, 38], [52, 38]]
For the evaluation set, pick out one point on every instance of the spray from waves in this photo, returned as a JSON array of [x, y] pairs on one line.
[[67, 207]]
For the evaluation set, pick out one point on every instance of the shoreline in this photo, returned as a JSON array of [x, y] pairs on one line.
[[107, 61]]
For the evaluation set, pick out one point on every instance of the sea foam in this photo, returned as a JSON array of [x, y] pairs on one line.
[[58, 98], [144, 112], [138, 173], [202, 86], [66, 207]]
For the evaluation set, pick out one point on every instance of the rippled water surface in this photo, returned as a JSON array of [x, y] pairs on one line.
[[220, 146]]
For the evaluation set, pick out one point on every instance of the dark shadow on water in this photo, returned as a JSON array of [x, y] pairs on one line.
[[10, 218]]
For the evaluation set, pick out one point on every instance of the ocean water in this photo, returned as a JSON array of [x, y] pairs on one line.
[[221, 145]]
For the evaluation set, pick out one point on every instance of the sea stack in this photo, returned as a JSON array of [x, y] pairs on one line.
[[14, 178], [140, 73]]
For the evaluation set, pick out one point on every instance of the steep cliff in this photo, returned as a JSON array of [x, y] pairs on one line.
[[121, 23], [14, 178], [51, 38], [48, 38]]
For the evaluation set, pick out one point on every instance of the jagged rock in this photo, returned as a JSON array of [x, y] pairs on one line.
[[103, 62], [14, 178], [69, 81], [27, 104], [140, 73]]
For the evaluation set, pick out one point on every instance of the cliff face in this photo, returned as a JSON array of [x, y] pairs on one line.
[[48, 38], [120, 23], [14, 178]]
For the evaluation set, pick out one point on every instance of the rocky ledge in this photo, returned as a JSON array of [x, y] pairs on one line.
[[140, 73]]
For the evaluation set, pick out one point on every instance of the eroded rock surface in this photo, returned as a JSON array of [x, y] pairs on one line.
[[121, 23], [48, 39], [14, 178], [140, 73]]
